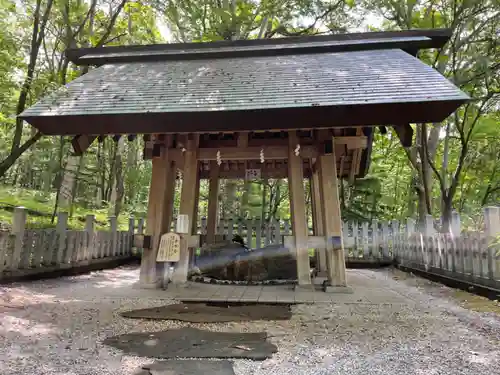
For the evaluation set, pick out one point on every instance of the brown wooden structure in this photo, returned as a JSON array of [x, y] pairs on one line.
[[309, 105]]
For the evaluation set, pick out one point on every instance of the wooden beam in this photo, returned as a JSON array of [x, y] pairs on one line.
[[318, 220], [213, 196], [81, 143], [147, 153], [405, 134], [253, 153], [356, 156], [243, 139], [332, 220], [187, 203], [298, 210], [311, 242], [159, 215], [352, 142]]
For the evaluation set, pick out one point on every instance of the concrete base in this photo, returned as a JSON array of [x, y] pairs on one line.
[[337, 289], [304, 288], [156, 285]]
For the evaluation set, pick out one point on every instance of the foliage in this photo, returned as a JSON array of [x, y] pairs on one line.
[[453, 165]]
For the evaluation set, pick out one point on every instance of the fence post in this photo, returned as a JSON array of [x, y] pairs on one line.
[[258, 232], [204, 226], [375, 239], [140, 230], [366, 248], [492, 226], [426, 240], [411, 224], [492, 221], [355, 239], [114, 235], [396, 239], [89, 237], [18, 229], [130, 237], [456, 226]]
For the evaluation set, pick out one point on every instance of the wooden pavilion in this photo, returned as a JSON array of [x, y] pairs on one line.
[[299, 108]]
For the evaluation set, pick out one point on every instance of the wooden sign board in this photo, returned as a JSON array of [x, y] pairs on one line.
[[170, 248], [252, 174]]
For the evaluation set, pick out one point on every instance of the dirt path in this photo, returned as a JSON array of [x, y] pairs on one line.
[[408, 326]]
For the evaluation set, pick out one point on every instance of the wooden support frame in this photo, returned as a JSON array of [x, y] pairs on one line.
[[275, 152], [213, 202], [188, 203], [81, 143], [318, 242], [318, 219], [159, 215], [332, 221], [405, 134], [298, 210], [355, 160]]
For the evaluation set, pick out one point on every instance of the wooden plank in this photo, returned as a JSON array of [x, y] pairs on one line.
[[7, 241], [38, 248]]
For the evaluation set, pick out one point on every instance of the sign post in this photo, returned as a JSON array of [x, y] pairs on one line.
[[169, 251]]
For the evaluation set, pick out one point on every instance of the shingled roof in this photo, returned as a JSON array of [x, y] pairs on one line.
[[348, 80], [360, 79]]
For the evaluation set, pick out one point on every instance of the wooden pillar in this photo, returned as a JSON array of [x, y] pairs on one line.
[[298, 210], [332, 221], [188, 203], [318, 218], [213, 197], [159, 217], [194, 222]]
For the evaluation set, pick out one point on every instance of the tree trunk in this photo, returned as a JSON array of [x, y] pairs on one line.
[[68, 182], [230, 190], [446, 214]]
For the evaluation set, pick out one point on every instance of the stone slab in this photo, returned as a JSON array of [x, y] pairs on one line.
[[187, 367], [201, 313], [194, 343], [337, 289]]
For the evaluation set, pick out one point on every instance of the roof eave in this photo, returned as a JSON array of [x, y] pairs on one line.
[[437, 39]]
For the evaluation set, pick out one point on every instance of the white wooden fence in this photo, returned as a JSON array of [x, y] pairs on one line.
[[27, 251], [470, 256]]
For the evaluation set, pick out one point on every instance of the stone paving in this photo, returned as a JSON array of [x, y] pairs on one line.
[[359, 291]]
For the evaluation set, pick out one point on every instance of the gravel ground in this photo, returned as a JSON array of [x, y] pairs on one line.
[[57, 326]]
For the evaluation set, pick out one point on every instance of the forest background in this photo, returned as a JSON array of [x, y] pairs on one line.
[[454, 165]]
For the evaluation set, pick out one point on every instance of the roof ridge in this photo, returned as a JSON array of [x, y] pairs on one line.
[[409, 40]]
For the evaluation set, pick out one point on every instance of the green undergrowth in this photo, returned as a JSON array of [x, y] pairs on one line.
[[40, 205]]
